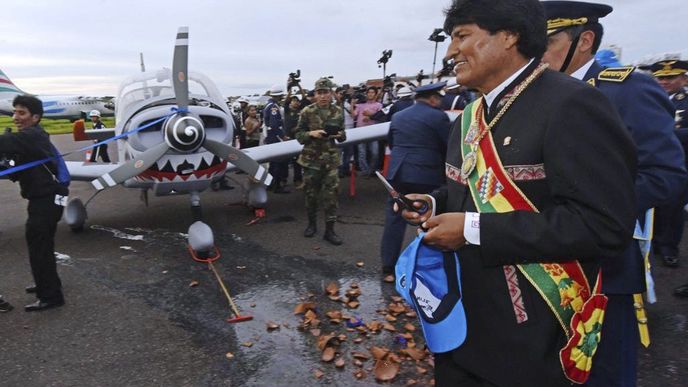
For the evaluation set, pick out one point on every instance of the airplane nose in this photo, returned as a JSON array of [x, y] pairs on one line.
[[184, 132]]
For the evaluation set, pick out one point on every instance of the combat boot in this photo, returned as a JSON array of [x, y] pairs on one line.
[[330, 235], [311, 229]]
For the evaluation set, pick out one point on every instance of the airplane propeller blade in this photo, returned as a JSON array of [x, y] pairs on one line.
[[180, 66], [131, 168], [240, 159]]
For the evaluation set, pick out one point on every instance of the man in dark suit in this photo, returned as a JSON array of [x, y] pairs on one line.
[[661, 176], [671, 75], [551, 158], [418, 139]]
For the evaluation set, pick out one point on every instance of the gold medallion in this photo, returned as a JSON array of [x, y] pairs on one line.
[[468, 165]]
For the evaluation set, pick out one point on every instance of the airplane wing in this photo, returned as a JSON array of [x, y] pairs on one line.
[[81, 171], [284, 149], [80, 133], [99, 134]]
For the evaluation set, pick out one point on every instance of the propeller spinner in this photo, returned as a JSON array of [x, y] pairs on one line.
[[183, 132]]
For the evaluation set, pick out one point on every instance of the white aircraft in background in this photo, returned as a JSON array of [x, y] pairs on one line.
[[69, 107], [186, 145]]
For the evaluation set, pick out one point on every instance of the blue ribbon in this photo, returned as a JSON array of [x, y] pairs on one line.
[[34, 163]]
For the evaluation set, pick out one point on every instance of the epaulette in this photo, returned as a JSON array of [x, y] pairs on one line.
[[615, 74]]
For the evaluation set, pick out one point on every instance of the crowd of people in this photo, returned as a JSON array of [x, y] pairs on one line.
[[545, 187]]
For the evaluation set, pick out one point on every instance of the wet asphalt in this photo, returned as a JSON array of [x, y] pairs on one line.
[[141, 312]]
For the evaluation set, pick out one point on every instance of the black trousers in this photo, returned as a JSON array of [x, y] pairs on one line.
[[668, 229], [450, 374], [100, 151], [40, 238]]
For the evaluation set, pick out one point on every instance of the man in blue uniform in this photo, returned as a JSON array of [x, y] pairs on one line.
[[671, 75], [457, 96], [272, 118], [101, 150], [574, 35], [418, 139], [405, 101]]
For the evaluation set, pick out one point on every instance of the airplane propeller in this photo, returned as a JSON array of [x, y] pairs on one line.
[[183, 132], [179, 68]]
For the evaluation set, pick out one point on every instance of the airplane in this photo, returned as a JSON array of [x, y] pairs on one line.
[[54, 106], [177, 130]]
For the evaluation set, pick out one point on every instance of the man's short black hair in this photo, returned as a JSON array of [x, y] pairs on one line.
[[596, 29], [31, 103], [523, 17]]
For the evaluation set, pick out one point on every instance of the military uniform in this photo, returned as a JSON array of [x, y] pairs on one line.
[[669, 217], [680, 100], [669, 223], [101, 150], [320, 159], [272, 117], [661, 178], [418, 140]]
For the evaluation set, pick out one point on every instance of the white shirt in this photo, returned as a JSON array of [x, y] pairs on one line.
[[580, 73]]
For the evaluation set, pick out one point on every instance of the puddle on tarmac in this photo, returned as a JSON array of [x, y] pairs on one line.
[[291, 355], [268, 287]]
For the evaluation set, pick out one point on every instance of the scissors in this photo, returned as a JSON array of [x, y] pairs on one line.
[[402, 200]]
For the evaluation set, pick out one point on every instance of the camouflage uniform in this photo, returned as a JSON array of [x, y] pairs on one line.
[[320, 159]]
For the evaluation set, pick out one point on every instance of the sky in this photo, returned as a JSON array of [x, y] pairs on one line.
[[245, 46]]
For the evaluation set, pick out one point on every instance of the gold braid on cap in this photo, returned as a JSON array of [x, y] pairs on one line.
[[668, 70], [555, 24]]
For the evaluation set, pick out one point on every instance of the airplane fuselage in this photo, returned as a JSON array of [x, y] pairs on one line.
[[61, 107]]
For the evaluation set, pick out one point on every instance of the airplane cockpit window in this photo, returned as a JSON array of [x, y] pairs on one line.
[[156, 86]]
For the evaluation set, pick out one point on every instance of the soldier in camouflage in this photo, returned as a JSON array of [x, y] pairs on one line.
[[320, 124]]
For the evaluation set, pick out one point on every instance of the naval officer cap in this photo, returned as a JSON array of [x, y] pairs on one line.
[[667, 68], [433, 88], [566, 14]]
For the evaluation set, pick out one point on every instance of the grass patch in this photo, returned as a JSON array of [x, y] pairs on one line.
[[56, 126]]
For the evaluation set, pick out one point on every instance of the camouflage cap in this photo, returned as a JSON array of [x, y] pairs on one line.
[[323, 84]]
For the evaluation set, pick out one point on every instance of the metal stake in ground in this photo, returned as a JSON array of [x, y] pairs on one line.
[[237, 316]]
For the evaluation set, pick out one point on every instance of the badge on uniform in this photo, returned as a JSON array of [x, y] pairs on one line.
[[430, 281]]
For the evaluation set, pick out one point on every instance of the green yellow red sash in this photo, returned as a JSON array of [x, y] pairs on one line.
[[563, 286]]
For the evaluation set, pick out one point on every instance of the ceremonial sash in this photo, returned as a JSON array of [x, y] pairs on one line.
[[643, 234], [563, 286]]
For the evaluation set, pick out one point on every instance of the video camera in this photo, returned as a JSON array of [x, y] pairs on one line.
[[331, 130], [421, 75], [388, 82], [356, 92], [437, 36], [386, 55], [294, 79]]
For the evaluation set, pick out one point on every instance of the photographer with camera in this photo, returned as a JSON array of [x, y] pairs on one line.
[[364, 109], [46, 196], [320, 124]]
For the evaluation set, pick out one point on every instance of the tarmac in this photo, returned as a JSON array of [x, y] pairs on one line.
[[141, 312]]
